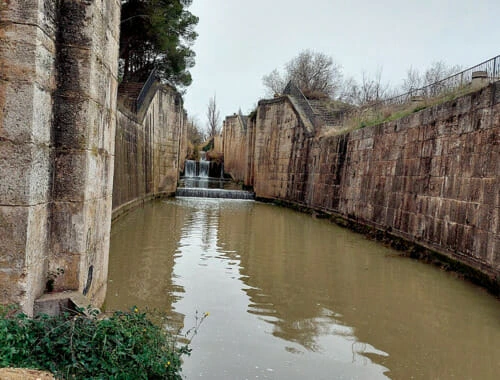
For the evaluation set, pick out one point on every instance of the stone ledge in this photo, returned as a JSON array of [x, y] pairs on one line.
[[125, 208], [24, 374], [56, 303]]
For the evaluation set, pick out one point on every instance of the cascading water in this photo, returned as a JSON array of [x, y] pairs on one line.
[[204, 166], [190, 169], [213, 193], [198, 183]]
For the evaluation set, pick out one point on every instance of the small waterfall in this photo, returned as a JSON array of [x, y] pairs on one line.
[[190, 169], [204, 167], [198, 183], [200, 169], [213, 193]]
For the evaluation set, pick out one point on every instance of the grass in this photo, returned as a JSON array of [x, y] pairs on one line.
[[370, 116], [125, 345]]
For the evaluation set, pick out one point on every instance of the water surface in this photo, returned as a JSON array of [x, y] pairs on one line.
[[292, 297]]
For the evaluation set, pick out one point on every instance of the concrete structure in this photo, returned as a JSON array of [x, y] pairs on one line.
[[432, 177], [58, 83]]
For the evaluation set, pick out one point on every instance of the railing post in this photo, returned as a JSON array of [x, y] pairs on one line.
[[495, 67]]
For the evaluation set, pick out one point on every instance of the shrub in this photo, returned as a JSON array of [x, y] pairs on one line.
[[126, 345]]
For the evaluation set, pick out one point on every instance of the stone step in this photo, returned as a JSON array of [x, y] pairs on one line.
[[213, 193]]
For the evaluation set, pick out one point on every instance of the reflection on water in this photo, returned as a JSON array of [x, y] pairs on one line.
[[293, 297]]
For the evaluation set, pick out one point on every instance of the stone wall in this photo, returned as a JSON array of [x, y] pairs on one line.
[[218, 144], [148, 149], [281, 150], [432, 177], [58, 82], [235, 147]]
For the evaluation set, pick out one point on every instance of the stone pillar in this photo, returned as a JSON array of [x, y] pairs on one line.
[[27, 82], [250, 151], [58, 80], [479, 79], [84, 128]]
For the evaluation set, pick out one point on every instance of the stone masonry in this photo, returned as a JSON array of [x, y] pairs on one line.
[[432, 177], [235, 149], [58, 82], [150, 149]]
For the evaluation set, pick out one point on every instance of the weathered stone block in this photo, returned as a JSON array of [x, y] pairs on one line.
[[13, 235], [32, 12], [33, 162], [26, 114], [70, 174]]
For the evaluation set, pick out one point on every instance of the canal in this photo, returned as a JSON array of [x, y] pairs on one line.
[[293, 297]]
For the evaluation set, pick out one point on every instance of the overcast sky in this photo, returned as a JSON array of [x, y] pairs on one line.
[[241, 40]]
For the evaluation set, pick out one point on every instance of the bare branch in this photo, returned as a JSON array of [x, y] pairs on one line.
[[312, 72], [213, 116]]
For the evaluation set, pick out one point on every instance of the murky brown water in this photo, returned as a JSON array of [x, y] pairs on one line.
[[291, 297]]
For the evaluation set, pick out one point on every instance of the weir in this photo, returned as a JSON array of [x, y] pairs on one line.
[[213, 193], [197, 183]]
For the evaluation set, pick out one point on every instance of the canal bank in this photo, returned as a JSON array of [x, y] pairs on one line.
[[430, 178]]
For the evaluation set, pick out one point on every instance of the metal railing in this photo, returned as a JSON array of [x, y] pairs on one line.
[[145, 89], [292, 89], [461, 79]]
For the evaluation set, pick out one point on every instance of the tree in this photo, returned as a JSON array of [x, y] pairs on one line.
[[312, 72], [430, 77], [157, 34], [274, 82], [370, 90], [194, 133], [412, 81], [213, 116]]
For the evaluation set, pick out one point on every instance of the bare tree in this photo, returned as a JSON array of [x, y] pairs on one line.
[[311, 71], [194, 133], [370, 90], [412, 81], [213, 116], [430, 77], [274, 83]]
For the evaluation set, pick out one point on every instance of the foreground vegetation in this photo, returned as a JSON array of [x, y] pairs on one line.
[[126, 345]]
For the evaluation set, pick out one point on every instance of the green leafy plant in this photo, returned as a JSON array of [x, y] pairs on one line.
[[125, 345]]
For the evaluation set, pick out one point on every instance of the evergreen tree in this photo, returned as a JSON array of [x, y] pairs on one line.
[[157, 34]]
